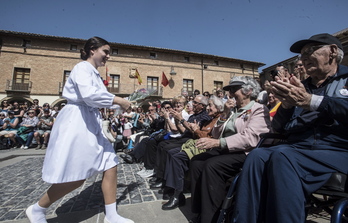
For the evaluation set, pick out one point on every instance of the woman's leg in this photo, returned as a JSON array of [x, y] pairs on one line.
[[109, 188], [57, 191], [109, 185], [36, 213]]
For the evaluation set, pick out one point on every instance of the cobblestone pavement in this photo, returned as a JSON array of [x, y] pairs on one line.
[[21, 185]]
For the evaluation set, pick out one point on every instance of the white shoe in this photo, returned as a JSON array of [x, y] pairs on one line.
[[142, 171], [124, 220], [29, 213], [148, 173], [22, 147], [25, 147]]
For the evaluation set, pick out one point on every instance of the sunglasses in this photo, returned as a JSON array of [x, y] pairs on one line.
[[299, 65], [167, 107], [310, 50], [31, 112]]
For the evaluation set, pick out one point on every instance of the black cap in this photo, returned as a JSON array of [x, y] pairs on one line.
[[323, 38], [233, 84]]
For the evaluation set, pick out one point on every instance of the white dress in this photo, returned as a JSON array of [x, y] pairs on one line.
[[78, 148]]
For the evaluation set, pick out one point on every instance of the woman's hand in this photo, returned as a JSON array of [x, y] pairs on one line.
[[207, 143], [176, 115], [194, 126], [125, 104]]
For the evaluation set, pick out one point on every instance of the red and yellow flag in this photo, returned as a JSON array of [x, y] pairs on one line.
[[138, 76]]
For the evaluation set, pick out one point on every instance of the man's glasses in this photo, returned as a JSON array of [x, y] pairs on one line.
[[195, 102], [31, 112], [311, 50]]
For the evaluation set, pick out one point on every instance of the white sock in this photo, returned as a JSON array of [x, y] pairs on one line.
[[111, 214], [38, 214]]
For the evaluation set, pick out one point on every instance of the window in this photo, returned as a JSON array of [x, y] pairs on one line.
[[114, 51], [26, 43], [188, 86], [73, 47], [218, 85], [216, 62], [153, 55], [152, 84], [187, 59], [21, 79], [114, 83]]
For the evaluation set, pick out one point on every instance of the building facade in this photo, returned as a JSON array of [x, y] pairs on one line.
[[37, 66]]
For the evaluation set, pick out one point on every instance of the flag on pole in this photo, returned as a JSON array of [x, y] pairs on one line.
[[107, 75], [165, 81], [138, 76]]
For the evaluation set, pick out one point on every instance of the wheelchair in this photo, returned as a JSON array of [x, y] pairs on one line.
[[334, 191]]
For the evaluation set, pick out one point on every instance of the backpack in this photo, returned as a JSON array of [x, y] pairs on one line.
[[4, 143]]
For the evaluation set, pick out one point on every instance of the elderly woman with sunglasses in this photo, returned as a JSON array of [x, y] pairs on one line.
[[238, 128]]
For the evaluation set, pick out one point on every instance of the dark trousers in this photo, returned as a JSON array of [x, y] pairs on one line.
[[209, 174], [150, 146], [276, 181], [176, 166], [161, 155], [140, 147]]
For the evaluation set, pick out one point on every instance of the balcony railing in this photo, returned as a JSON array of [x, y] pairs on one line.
[[11, 85]]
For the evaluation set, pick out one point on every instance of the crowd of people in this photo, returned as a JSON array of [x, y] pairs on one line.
[[198, 143], [24, 126]]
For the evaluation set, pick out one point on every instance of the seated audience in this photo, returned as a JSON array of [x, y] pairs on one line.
[[273, 104], [201, 116], [299, 70], [275, 181], [18, 111], [10, 127], [238, 131], [25, 132], [178, 159], [44, 128]]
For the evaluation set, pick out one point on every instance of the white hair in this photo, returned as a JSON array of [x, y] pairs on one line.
[[250, 84]]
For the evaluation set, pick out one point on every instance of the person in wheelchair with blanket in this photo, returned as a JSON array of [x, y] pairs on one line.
[[276, 181]]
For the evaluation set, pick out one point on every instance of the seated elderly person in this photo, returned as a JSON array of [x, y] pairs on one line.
[[276, 181], [238, 129], [178, 158]]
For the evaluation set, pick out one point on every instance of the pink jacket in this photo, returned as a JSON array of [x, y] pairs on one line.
[[249, 125]]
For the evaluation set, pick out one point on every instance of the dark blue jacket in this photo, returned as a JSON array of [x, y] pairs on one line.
[[325, 126]]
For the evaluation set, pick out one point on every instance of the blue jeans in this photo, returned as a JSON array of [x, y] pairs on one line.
[[29, 139]]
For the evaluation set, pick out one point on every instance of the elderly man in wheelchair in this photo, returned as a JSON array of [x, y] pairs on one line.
[[276, 181]]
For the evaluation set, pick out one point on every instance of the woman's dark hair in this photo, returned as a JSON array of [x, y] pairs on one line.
[[92, 44], [166, 103]]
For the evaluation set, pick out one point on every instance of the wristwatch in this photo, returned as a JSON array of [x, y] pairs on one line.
[[182, 121]]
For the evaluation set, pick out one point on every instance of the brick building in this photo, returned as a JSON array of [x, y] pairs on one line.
[[37, 66]]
